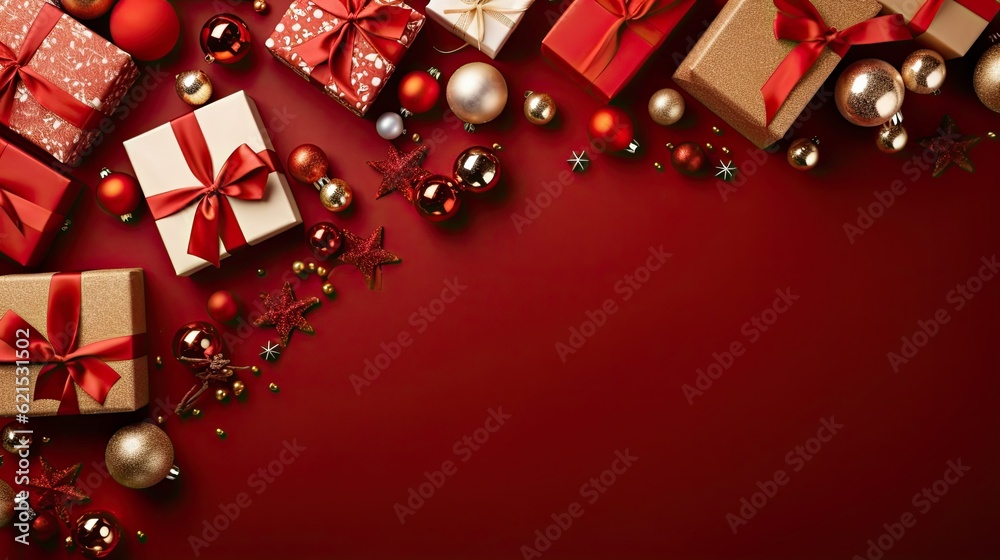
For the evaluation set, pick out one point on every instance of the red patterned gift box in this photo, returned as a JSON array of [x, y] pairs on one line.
[[950, 27], [347, 48], [605, 42], [34, 202], [58, 79]]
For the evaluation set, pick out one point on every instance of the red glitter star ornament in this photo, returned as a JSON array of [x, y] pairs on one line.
[[284, 313], [949, 146], [56, 489], [400, 171], [367, 255]]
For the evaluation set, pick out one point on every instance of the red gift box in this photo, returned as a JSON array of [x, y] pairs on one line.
[[34, 202], [605, 42], [347, 48]]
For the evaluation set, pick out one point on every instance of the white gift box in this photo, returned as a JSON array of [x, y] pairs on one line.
[[160, 167], [484, 24]]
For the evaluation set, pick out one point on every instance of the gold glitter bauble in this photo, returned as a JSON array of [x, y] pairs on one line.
[[803, 154], [923, 71], [666, 106], [539, 108], [891, 139], [139, 455], [9, 440], [336, 196], [194, 87], [869, 92], [6, 504], [986, 80]]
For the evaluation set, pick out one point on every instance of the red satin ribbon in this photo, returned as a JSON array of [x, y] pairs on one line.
[[922, 20], [15, 66], [800, 21], [66, 363], [330, 53], [628, 13], [243, 175]]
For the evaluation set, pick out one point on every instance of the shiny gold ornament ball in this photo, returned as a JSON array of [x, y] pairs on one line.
[[6, 504], [221, 394], [986, 79], [476, 93], [803, 154], [336, 196], [539, 108], [238, 387], [87, 9], [139, 455], [924, 71], [328, 289], [194, 87], [666, 106], [869, 92], [891, 139], [10, 440], [298, 267], [259, 6]]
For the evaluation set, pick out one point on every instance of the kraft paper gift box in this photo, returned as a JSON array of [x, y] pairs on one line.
[[76, 78], [347, 48], [215, 162], [73, 343], [950, 27], [34, 202], [484, 24], [603, 43], [731, 67]]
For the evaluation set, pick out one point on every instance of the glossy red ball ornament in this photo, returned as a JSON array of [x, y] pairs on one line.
[[118, 193], [97, 533], [146, 29], [197, 340], [324, 239], [436, 198], [223, 306], [44, 527], [308, 163], [87, 9], [225, 39], [612, 127], [689, 158], [420, 90]]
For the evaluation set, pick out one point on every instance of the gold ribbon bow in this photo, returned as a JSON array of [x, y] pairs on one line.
[[477, 10]]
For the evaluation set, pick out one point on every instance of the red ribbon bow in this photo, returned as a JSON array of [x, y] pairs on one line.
[[799, 20], [922, 20], [14, 66], [65, 362], [630, 14], [243, 176], [330, 53]]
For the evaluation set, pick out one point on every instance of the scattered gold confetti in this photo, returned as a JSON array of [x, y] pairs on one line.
[[196, 413], [717, 130], [261, 272], [255, 370], [709, 146], [416, 137], [141, 536], [274, 387], [221, 433], [670, 146], [658, 166], [221, 394], [311, 267], [160, 419], [298, 267], [159, 361], [46, 439], [992, 135], [322, 271], [497, 147], [69, 543], [725, 150]]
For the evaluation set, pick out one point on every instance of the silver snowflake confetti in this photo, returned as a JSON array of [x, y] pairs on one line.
[[726, 170], [270, 352], [579, 162]]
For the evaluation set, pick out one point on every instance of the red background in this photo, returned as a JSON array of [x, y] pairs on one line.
[[495, 345]]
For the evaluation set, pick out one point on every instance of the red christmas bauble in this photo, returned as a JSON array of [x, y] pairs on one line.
[[146, 29], [223, 306], [613, 126], [419, 92], [308, 163], [97, 533], [436, 198], [324, 239], [225, 39], [689, 159], [196, 341], [44, 527], [118, 193], [87, 9]]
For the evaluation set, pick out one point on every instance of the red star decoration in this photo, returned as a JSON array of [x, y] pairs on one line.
[[367, 255], [949, 146], [56, 489], [400, 171], [284, 313]]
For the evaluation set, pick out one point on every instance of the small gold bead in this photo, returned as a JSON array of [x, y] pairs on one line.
[[221, 394], [255, 370], [328, 289], [658, 166], [992, 135], [141, 536], [274, 387], [322, 271], [497, 147], [725, 150], [221, 433], [159, 361], [259, 6], [298, 267], [416, 137], [69, 542], [709, 146], [238, 387], [717, 130], [670, 146], [261, 272], [196, 413], [311, 267], [160, 419], [227, 372], [46, 439]]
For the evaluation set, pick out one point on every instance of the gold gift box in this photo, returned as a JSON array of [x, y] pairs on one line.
[[956, 26], [112, 305], [738, 53]]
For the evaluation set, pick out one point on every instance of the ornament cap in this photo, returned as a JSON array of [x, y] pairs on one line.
[[209, 58], [174, 473], [405, 113], [104, 172], [633, 146], [436, 74], [127, 218], [897, 119], [469, 127]]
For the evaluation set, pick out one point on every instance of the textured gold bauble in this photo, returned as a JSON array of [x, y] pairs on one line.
[[869, 92], [336, 195], [9, 440], [539, 108], [194, 87], [139, 455], [666, 106], [923, 71], [803, 154], [986, 79], [891, 139], [6, 504], [476, 93]]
